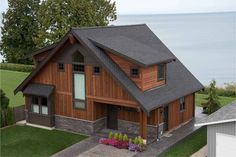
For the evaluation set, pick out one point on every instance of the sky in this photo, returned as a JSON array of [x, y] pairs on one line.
[[165, 6]]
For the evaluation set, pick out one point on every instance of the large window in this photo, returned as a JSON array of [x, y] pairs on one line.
[[181, 104], [39, 105], [160, 72], [79, 80]]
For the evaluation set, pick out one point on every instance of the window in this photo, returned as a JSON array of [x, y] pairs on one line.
[[60, 67], [39, 105], [44, 106], [181, 104], [35, 104], [78, 80], [134, 72], [78, 68], [96, 70], [160, 72]]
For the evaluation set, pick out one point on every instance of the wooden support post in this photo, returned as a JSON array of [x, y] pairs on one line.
[[143, 124]]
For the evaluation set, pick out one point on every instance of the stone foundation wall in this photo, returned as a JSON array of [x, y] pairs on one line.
[[79, 125], [133, 128]]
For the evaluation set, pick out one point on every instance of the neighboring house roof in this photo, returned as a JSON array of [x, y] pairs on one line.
[[180, 81], [223, 115], [39, 89]]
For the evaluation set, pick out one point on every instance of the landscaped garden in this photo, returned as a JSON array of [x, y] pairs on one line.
[[121, 141], [189, 145], [25, 141]]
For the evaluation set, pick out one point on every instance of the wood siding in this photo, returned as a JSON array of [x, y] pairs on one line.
[[147, 78], [176, 117]]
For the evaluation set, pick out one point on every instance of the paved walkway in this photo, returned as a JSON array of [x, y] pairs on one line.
[[107, 151], [201, 153], [78, 148]]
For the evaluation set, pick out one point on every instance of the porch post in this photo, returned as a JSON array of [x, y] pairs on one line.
[[143, 124]]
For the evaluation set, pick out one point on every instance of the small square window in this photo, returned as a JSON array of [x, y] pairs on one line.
[[96, 70], [79, 104], [134, 72], [60, 66], [78, 68]]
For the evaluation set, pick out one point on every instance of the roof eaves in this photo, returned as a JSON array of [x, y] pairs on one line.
[[215, 122]]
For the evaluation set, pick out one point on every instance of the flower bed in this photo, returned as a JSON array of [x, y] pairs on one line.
[[121, 142]]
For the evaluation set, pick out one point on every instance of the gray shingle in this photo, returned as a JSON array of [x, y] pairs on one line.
[[227, 112], [141, 53], [38, 89]]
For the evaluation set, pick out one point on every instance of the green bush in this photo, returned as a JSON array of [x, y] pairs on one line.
[[115, 136], [125, 138], [136, 140], [120, 137], [16, 67], [110, 136], [9, 117]]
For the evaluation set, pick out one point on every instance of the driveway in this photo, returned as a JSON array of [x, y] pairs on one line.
[[106, 151]]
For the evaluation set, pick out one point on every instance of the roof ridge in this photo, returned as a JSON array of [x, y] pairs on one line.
[[110, 26]]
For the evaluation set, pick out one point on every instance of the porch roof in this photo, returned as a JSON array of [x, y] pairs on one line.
[[39, 89]]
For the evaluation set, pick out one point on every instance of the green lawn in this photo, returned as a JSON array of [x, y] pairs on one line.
[[223, 100], [189, 145], [9, 81], [25, 141]]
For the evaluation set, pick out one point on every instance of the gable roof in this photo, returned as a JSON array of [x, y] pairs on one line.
[[140, 53], [180, 81], [223, 115]]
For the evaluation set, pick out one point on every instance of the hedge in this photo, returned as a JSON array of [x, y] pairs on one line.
[[16, 67], [9, 117]]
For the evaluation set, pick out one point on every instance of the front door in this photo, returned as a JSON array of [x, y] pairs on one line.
[[165, 119], [112, 120]]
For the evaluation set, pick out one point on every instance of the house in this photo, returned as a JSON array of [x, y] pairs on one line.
[[117, 77], [221, 131]]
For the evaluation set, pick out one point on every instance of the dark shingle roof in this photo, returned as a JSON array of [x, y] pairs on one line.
[[180, 81], [39, 89], [226, 113], [142, 54]]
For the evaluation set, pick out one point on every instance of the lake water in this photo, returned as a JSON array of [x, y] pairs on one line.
[[205, 43]]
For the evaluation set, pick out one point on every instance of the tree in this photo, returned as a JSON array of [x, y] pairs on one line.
[[212, 103], [56, 17], [19, 29], [3, 107]]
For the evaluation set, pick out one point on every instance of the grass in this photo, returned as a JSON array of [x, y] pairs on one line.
[[200, 98], [9, 81], [189, 145], [25, 141]]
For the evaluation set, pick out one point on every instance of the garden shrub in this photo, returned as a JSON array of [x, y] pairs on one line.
[[120, 137], [115, 136], [125, 138], [136, 141], [16, 67], [110, 136]]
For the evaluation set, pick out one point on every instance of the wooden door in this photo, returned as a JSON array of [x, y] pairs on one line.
[[112, 118]]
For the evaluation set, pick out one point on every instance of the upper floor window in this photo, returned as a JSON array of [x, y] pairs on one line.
[[160, 72], [78, 68], [77, 57], [134, 72], [96, 70], [60, 66], [181, 104]]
